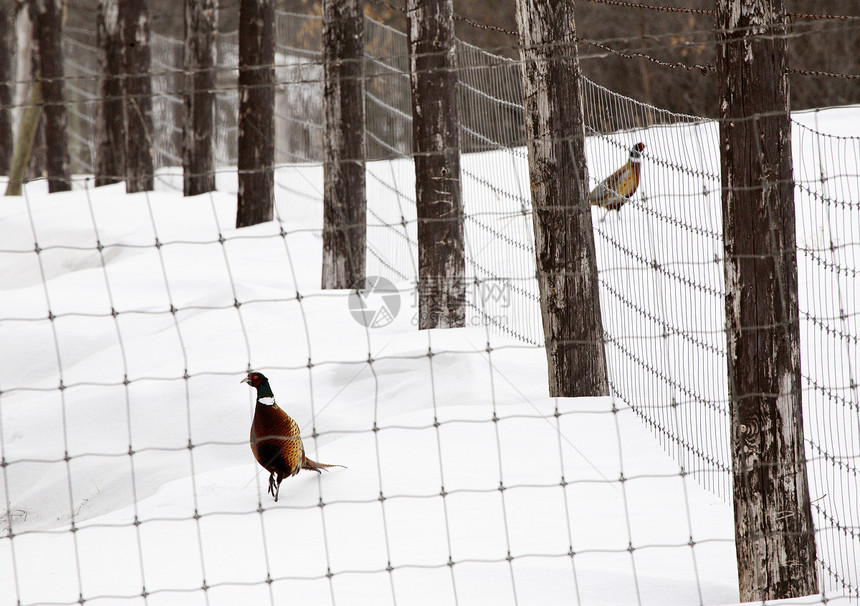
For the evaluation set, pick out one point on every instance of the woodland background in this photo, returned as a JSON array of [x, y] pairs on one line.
[[820, 45]]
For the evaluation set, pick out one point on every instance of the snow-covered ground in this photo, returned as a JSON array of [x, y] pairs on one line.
[[126, 323]]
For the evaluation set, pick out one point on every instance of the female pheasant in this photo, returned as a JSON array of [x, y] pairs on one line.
[[616, 189], [275, 438]]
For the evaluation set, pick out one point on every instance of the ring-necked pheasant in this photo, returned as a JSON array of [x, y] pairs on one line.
[[616, 189], [275, 438]]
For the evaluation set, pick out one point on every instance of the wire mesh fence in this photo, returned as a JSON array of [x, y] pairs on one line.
[[139, 318]]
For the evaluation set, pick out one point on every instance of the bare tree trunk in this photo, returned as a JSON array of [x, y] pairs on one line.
[[48, 34], [7, 82], [134, 29], [774, 533], [201, 27], [256, 145], [345, 201], [23, 62], [27, 128], [110, 152], [35, 158], [564, 236], [436, 142], [35, 168], [29, 97]]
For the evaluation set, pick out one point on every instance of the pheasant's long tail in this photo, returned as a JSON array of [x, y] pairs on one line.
[[318, 467]]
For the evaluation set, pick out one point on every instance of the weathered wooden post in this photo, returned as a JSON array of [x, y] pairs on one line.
[[110, 150], [137, 95], [345, 196], [256, 139], [436, 145], [48, 38], [774, 533], [564, 236], [198, 160]]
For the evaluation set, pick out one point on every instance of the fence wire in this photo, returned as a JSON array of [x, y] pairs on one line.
[[662, 299]]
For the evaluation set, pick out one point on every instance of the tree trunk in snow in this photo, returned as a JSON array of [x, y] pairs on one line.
[[139, 152], [564, 236], [48, 38], [7, 82], [345, 201], [29, 97], [256, 146], [774, 533], [110, 150], [436, 143], [27, 130], [201, 27]]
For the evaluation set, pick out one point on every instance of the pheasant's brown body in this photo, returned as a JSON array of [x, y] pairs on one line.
[[276, 441], [616, 189], [276, 438]]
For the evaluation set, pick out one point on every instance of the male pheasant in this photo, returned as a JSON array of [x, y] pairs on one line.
[[275, 438], [616, 189]]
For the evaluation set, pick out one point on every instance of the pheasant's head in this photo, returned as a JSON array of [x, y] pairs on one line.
[[261, 384], [636, 151], [255, 379]]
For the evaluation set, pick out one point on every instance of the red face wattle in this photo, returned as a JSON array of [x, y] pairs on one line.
[[253, 379]]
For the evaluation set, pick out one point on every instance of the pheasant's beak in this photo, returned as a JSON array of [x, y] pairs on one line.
[[246, 380]]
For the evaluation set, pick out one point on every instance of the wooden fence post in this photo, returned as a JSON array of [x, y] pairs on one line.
[[256, 139], [345, 197], [198, 160], [134, 29], [564, 236], [774, 533], [436, 143]]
